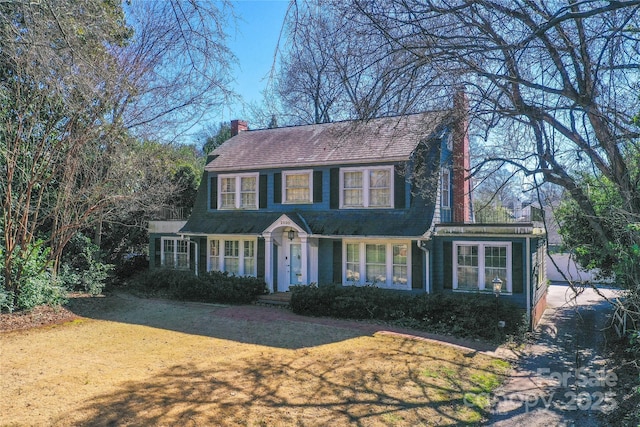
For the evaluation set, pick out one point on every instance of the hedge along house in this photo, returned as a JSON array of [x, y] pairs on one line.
[[384, 202]]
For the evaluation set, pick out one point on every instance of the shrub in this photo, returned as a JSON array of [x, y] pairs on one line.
[[6, 299], [465, 315], [81, 269], [39, 290], [209, 287], [130, 266]]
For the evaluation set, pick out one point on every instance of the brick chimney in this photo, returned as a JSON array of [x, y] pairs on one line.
[[238, 126], [461, 165]]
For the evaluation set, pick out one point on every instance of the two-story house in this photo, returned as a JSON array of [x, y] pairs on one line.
[[384, 202]]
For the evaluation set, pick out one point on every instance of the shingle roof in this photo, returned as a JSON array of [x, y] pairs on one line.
[[385, 139], [326, 223]]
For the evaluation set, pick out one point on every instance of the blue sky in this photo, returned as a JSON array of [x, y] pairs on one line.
[[254, 44]]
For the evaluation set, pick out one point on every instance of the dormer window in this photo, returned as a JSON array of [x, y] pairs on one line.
[[238, 191], [297, 186], [369, 187]]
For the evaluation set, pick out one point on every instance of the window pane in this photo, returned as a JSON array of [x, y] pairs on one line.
[[182, 254], [297, 188], [445, 188], [379, 188], [376, 266], [495, 265], [168, 254], [214, 255], [352, 189], [248, 192], [249, 258], [231, 248], [228, 193], [232, 256], [467, 267], [400, 264], [353, 262], [248, 184]]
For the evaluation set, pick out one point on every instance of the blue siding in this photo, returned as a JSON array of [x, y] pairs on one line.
[[438, 264], [325, 264], [302, 207]]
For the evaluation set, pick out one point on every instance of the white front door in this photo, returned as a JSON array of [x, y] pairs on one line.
[[293, 261]]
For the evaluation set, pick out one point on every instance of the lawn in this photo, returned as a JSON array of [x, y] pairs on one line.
[[130, 361]]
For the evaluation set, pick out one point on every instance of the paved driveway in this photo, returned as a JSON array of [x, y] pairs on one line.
[[562, 378]]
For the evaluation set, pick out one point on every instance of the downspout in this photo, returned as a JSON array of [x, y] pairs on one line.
[[424, 246], [528, 279]]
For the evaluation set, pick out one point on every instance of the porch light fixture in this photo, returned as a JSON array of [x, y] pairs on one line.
[[291, 234], [497, 286]]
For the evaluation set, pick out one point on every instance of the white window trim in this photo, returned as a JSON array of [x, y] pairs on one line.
[[238, 198], [365, 186], [241, 258], [175, 253], [507, 287], [388, 284], [284, 186]]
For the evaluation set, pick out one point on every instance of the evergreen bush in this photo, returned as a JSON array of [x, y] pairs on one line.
[[464, 315], [209, 287]]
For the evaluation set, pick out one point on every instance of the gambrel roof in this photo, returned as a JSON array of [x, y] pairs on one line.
[[388, 139]]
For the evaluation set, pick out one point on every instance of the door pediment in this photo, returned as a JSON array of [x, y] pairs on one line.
[[285, 222]]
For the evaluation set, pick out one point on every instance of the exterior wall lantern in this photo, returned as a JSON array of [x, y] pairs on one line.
[[497, 286], [291, 234]]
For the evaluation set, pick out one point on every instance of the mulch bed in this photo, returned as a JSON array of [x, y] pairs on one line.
[[43, 315]]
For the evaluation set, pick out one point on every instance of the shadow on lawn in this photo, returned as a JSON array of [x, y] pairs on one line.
[[379, 386], [267, 326]]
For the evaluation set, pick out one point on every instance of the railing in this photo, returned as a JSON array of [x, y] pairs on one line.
[[172, 214]]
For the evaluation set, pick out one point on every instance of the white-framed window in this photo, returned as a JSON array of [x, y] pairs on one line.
[[175, 253], [214, 255], [366, 187], [297, 186], [238, 191], [380, 263], [476, 264], [445, 193], [233, 255]]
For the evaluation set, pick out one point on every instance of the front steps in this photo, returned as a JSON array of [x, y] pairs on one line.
[[277, 299]]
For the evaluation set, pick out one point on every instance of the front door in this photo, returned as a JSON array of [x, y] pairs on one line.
[[294, 264]]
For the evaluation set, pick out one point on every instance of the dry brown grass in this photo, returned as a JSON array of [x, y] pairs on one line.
[[145, 362]]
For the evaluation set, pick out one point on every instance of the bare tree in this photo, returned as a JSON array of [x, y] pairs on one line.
[[334, 67], [553, 84], [175, 68], [74, 85]]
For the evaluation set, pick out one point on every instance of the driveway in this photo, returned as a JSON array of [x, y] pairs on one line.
[[562, 377]]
